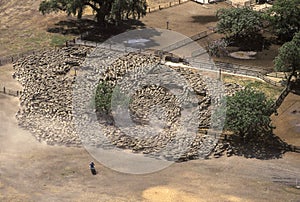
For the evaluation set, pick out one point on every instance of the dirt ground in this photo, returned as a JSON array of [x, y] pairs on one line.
[[288, 121], [33, 171], [189, 18]]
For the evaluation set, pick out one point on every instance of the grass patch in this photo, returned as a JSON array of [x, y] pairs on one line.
[[59, 40], [272, 92], [19, 42]]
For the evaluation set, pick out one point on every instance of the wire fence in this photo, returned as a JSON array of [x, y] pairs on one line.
[[281, 98], [295, 149], [13, 58], [288, 181], [9, 91], [165, 5]]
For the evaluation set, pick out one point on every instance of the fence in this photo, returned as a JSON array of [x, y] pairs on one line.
[[270, 81], [187, 41], [288, 181], [226, 67], [245, 70], [166, 5], [295, 149], [281, 97], [12, 58], [241, 4], [8, 91]]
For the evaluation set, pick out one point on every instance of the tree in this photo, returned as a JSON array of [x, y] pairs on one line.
[[288, 59], [109, 97], [285, 18], [242, 27], [238, 22], [248, 114], [106, 10], [218, 48], [103, 97]]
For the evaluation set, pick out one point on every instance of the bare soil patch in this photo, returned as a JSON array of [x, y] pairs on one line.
[[189, 18], [288, 120]]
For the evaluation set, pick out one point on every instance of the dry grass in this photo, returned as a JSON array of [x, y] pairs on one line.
[[272, 92], [23, 28]]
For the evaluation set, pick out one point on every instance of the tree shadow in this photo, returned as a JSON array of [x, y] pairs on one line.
[[203, 19], [268, 147], [72, 26], [295, 87], [90, 30], [256, 42]]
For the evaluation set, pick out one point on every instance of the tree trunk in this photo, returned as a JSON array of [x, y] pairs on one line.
[[290, 77], [100, 17]]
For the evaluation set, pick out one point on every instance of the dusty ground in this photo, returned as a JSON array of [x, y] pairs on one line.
[[288, 121], [32, 171], [189, 18]]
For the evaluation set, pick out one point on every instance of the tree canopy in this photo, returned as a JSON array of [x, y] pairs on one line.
[[106, 10], [108, 97], [248, 113], [235, 22], [288, 59], [285, 18], [241, 27]]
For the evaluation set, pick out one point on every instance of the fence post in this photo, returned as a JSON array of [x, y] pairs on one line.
[[170, 4], [4, 90], [159, 7], [179, 1], [149, 10]]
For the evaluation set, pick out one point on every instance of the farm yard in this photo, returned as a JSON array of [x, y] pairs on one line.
[[43, 160]]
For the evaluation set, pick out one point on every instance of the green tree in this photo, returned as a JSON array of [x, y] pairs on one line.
[[108, 97], [238, 22], [285, 18], [248, 114], [288, 59], [103, 97], [106, 10]]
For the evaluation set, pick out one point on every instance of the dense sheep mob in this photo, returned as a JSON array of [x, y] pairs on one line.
[[46, 103]]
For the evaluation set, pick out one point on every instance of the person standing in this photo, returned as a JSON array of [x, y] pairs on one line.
[[93, 169]]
